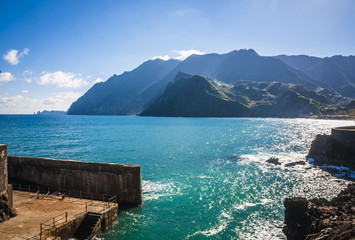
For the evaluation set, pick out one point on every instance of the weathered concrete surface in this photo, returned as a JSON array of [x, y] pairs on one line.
[[124, 181], [32, 211]]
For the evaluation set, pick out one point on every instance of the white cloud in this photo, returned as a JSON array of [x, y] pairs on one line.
[[165, 57], [27, 72], [180, 55], [13, 56], [183, 54], [6, 77], [24, 91], [20, 104], [11, 101], [28, 80], [98, 80], [62, 79]]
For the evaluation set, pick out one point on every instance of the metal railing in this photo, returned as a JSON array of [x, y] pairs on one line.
[[48, 226], [52, 224]]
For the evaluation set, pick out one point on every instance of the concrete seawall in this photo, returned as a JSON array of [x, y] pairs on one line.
[[123, 181]]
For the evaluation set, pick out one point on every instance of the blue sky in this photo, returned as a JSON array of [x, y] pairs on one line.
[[52, 52]]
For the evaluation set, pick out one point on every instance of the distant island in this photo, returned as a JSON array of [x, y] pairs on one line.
[[236, 84], [52, 112]]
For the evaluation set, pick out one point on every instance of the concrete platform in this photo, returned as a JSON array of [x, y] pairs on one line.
[[34, 209]]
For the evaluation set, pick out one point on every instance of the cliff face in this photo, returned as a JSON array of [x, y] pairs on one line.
[[320, 218], [326, 150]]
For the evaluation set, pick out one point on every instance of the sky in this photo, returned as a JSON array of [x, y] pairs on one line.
[[52, 52]]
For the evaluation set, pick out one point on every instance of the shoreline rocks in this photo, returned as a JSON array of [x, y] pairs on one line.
[[320, 218], [6, 212], [325, 150]]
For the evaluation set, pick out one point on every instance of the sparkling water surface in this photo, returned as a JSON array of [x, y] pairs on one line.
[[203, 178]]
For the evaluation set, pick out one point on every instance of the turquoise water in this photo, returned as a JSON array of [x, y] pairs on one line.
[[203, 178]]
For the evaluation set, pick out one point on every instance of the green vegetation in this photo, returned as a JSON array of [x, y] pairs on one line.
[[198, 96]]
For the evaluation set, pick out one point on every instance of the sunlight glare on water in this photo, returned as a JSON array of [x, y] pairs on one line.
[[203, 178]]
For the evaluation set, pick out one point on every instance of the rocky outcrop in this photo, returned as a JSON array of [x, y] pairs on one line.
[[326, 150], [320, 218], [6, 212], [274, 161]]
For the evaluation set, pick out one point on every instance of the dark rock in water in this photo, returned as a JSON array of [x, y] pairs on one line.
[[295, 163], [6, 212], [326, 150], [320, 218], [273, 161]]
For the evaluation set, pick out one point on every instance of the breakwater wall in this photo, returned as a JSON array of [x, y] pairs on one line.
[[121, 180]]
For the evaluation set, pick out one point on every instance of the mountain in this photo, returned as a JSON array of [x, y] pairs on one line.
[[337, 72], [198, 96], [194, 96], [112, 96], [132, 92]]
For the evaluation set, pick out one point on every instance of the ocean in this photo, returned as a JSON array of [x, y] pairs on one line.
[[203, 178]]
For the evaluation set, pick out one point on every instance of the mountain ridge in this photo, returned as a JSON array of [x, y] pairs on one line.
[[133, 92]]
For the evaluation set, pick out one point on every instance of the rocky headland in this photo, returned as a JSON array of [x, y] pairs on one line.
[[320, 218], [337, 149]]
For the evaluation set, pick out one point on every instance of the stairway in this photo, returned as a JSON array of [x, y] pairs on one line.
[[87, 226]]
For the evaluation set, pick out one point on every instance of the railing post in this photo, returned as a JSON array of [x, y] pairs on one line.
[[54, 222], [66, 216], [80, 194]]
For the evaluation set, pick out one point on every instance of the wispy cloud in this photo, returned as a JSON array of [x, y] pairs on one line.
[[179, 54], [21, 104], [98, 80], [183, 54], [13, 56], [62, 79], [24, 91], [184, 12], [165, 57], [6, 77], [11, 101], [27, 72]]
